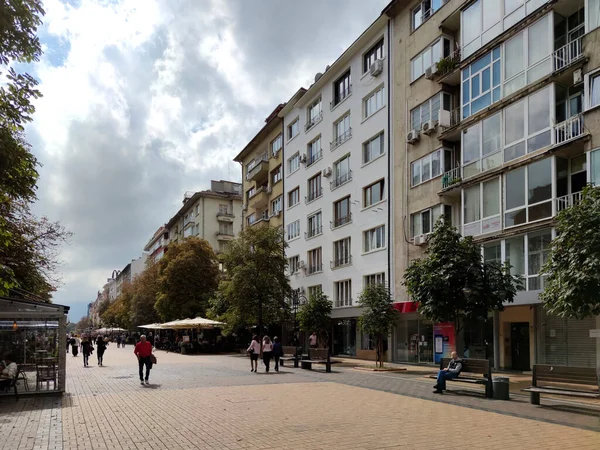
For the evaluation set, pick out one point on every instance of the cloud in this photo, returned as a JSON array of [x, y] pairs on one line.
[[145, 99]]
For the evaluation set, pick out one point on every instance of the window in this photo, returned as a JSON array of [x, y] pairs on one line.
[[314, 188], [341, 88], [226, 228], [293, 230], [341, 131], [430, 110], [592, 8], [374, 102], [429, 57], [197, 209], [293, 129], [430, 166], [276, 145], [341, 172], [373, 148], [314, 290], [595, 167], [343, 293], [481, 83], [315, 261], [376, 278], [223, 246], [481, 208], [424, 221], [375, 53], [189, 231], [276, 175], [341, 253], [276, 205], [374, 239], [293, 264], [373, 193], [315, 225], [294, 162], [224, 210], [341, 212], [251, 219], [314, 151], [592, 86], [314, 114], [250, 193], [482, 146], [424, 10], [293, 197], [538, 250], [528, 193]]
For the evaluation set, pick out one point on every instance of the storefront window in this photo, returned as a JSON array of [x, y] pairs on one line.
[[414, 341], [344, 338]]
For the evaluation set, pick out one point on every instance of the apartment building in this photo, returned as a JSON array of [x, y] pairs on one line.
[[157, 245], [262, 174], [214, 215], [496, 126], [336, 182]]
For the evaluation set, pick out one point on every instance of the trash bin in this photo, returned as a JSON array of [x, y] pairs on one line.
[[501, 391]]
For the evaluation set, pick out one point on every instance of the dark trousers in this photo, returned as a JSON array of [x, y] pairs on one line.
[[145, 362], [75, 349], [276, 358], [100, 356], [267, 359], [86, 357], [444, 375]]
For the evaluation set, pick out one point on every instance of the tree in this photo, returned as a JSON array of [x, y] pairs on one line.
[[573, 267], [379, 316], [453, 284], [84, 324], [257, 286], [188, 275], [118, 312], [315, 315], [144, 289]]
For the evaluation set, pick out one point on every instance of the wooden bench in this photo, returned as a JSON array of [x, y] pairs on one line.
[[290, 353], [571, 381], [471, 368], [317, 356]]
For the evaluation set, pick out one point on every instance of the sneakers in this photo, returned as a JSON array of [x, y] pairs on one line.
[[147, 382], [142, 382]]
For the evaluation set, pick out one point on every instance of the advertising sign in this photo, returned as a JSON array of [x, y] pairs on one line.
[[443, 336]]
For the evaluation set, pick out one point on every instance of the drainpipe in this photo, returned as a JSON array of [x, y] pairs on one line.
[[390, 223]]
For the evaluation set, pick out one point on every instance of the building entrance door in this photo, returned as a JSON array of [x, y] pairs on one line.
[[519, 343]]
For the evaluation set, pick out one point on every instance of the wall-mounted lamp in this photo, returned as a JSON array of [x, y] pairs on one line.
[[15, 326]]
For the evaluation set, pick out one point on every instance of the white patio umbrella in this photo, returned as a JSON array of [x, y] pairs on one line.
[[198, 322], [152, 326]]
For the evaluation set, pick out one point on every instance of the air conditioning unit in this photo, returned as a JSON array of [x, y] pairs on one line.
[[376, 68], [429, 73], [444, 118], [577, 76], [301, 265], [326, 172], [428, 127], [412, 137], [303, 158], [419, 240], [276, 214]]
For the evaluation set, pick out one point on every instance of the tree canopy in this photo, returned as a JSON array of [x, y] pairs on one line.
[[572, 286], [315, 315]]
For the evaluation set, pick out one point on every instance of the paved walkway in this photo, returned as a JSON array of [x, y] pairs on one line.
[[214, 402]]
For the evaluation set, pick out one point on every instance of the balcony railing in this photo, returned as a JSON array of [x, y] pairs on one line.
[[313, 195], [567, 201], [345, 261], [451, 177], [314, 158], [338, 222], [256, 166], [315, 268], [341, 139], [314, 231], [447, 65], [568, 54], [342, 179], [312, 122], [225, 212], [340, 97], [571, 128]]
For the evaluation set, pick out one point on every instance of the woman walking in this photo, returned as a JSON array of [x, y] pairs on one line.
[[267, 352], [86, 349], [101, 348], [75, 343], [254, 351], [277, 352]]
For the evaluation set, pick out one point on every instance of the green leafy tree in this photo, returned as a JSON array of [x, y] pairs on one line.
[[451, 283], [118, 312], [188, 275], [84, 324], [572, 285], [315, 315], [144, 292], [379, 315], [256, 285]]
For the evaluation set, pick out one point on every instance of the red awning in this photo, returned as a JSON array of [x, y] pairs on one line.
[[406, 307]]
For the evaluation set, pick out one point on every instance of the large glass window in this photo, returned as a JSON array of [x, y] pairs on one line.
[[374, 102], [482, 145], [538, 250], [373, 148], [430, 56], [481, 83], [375, 53], [342, 252], [374, 239], [429, 109], [592, 8], [430, 166], [424, 221], [528, 193], [595, 167]]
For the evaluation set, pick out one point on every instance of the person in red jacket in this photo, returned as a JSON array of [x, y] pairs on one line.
[[143, 351]]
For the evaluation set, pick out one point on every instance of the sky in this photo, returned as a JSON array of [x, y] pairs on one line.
[[146, 99]]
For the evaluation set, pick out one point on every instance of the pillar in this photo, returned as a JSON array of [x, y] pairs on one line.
[[496, 340]]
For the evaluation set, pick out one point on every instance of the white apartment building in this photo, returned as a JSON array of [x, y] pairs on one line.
[[336, 172]]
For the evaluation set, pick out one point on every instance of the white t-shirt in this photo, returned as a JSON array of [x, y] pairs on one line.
[[267, 347], [313, 340], [10, 371]]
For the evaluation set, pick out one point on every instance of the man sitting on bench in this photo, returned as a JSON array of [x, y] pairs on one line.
[[449, 373], [9, 372]]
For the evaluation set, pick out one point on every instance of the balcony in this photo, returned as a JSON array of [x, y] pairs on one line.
[[312, 122], [447, 69], [260, 198], [570, 129], [341, 139], [341, 179], [225, 215], [567, 201], [262, 218], [312, 232], [452, 177], [259, 168], [188, 220], [340, 97], [341, 221], [341, 262], [313, 195], [314, 158], [225, 235], [567, 54], [315, 268]]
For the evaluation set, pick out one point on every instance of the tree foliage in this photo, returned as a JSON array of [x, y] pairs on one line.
[[188, 275], [84, 324], [118, 312], [572, 287], [379, 315], [144, 288], [257, 286], [451, 283], [315, 315]]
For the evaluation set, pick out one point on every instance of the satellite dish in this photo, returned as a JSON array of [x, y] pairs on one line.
[[317, 76]]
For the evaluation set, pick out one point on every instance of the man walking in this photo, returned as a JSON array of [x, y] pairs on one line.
[[143, 351], [450, 372]]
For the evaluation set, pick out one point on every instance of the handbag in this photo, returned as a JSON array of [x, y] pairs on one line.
[[153, 359]]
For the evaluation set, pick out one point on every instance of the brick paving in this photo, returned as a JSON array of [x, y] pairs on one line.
[[214, 402]]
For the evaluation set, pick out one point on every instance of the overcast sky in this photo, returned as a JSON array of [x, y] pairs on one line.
[[144, 100]]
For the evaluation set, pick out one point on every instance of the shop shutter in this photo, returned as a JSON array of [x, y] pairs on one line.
[[568, 342], [556, 341]]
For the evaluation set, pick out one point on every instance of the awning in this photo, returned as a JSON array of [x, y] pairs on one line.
[[406, 307], [198, 322]]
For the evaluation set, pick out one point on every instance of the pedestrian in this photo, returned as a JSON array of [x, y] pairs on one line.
[[143, 351], [312, 340], [151, 339], [75, 343], [123, 340], [449, 373], [86, 350], [254, 351], [267, 352], [101, 348], [277, 352], [118, 341], [68, 341]]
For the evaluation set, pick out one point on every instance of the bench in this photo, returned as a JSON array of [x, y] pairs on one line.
[[317, 356], [290, 353], [571, 381], [470, 368]]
